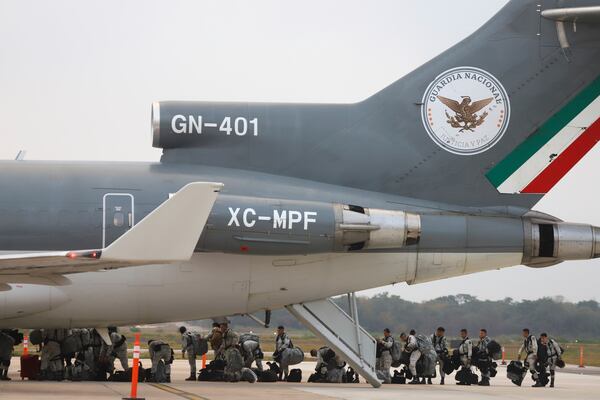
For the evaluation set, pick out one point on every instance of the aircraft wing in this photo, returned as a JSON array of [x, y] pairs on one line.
[[168, 234]]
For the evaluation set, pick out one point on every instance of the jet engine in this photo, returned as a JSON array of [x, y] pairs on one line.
[[277, 226], [359, 228], [549, 242]]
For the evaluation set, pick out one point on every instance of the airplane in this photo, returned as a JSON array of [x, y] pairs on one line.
[[259, 206]]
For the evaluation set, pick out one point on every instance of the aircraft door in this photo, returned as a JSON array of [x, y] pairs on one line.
[[118, 216]]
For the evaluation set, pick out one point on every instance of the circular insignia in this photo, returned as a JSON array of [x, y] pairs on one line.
[[465, 110]]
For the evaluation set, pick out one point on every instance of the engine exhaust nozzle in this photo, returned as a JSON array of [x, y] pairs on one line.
[[549, 243]]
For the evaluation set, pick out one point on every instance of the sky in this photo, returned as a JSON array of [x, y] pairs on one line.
[[77, 79]]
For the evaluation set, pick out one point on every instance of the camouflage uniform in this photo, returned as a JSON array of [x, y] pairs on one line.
[[465, 350], [215, 337], [384, 363], [187, 347], [530, 347], [482, 347], [160, 350], [117, 349], [440, 346]]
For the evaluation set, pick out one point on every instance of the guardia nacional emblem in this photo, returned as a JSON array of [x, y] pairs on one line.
[[465, 110]]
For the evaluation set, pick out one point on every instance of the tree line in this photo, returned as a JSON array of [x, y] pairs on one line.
[[567, 320]]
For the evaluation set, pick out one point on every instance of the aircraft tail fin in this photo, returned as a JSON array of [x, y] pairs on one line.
[[496, 120], [521, 113]]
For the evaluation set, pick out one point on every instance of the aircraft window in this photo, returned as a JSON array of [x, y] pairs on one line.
[[118, 219]]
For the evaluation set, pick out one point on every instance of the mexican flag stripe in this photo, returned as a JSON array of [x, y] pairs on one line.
[[538, 151], [565, 161], [551, 150]]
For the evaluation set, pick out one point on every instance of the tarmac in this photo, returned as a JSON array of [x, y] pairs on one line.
[[572, 383]]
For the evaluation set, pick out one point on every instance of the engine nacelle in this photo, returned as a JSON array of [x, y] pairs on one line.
[[359, 228], [276, 226], [551, 242]]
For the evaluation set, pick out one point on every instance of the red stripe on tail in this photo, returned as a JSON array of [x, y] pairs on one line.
[[565, 161]]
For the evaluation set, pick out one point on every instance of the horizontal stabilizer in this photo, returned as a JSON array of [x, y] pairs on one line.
[[574, 14], [168, 234]]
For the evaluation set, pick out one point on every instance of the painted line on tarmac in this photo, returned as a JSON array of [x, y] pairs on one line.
[[180, 393]]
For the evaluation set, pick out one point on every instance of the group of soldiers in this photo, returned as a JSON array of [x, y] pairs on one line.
[[82, 354], [226, 344], [78, 354], [330, 367], [238, 352], [542, 355]]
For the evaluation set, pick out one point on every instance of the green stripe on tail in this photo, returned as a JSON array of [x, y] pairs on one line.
[[544, 133]]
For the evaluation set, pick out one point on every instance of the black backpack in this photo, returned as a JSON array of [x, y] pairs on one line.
[[329, 355], [399, 377], [493, 370], [213, 371], [315, 377], [265, 376], [295, 375], [218, 364], [514, 372], [119, 376], [465, 375], [211, 375], [15, 335], [125, 376], [351, 376], [494, 350], [449, 366], [543, 376], [273, 367]]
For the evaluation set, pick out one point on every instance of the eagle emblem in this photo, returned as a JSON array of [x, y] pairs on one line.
[[465, 125], [465, 113]]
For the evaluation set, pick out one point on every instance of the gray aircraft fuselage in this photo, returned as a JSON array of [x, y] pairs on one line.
[[59, 205]]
